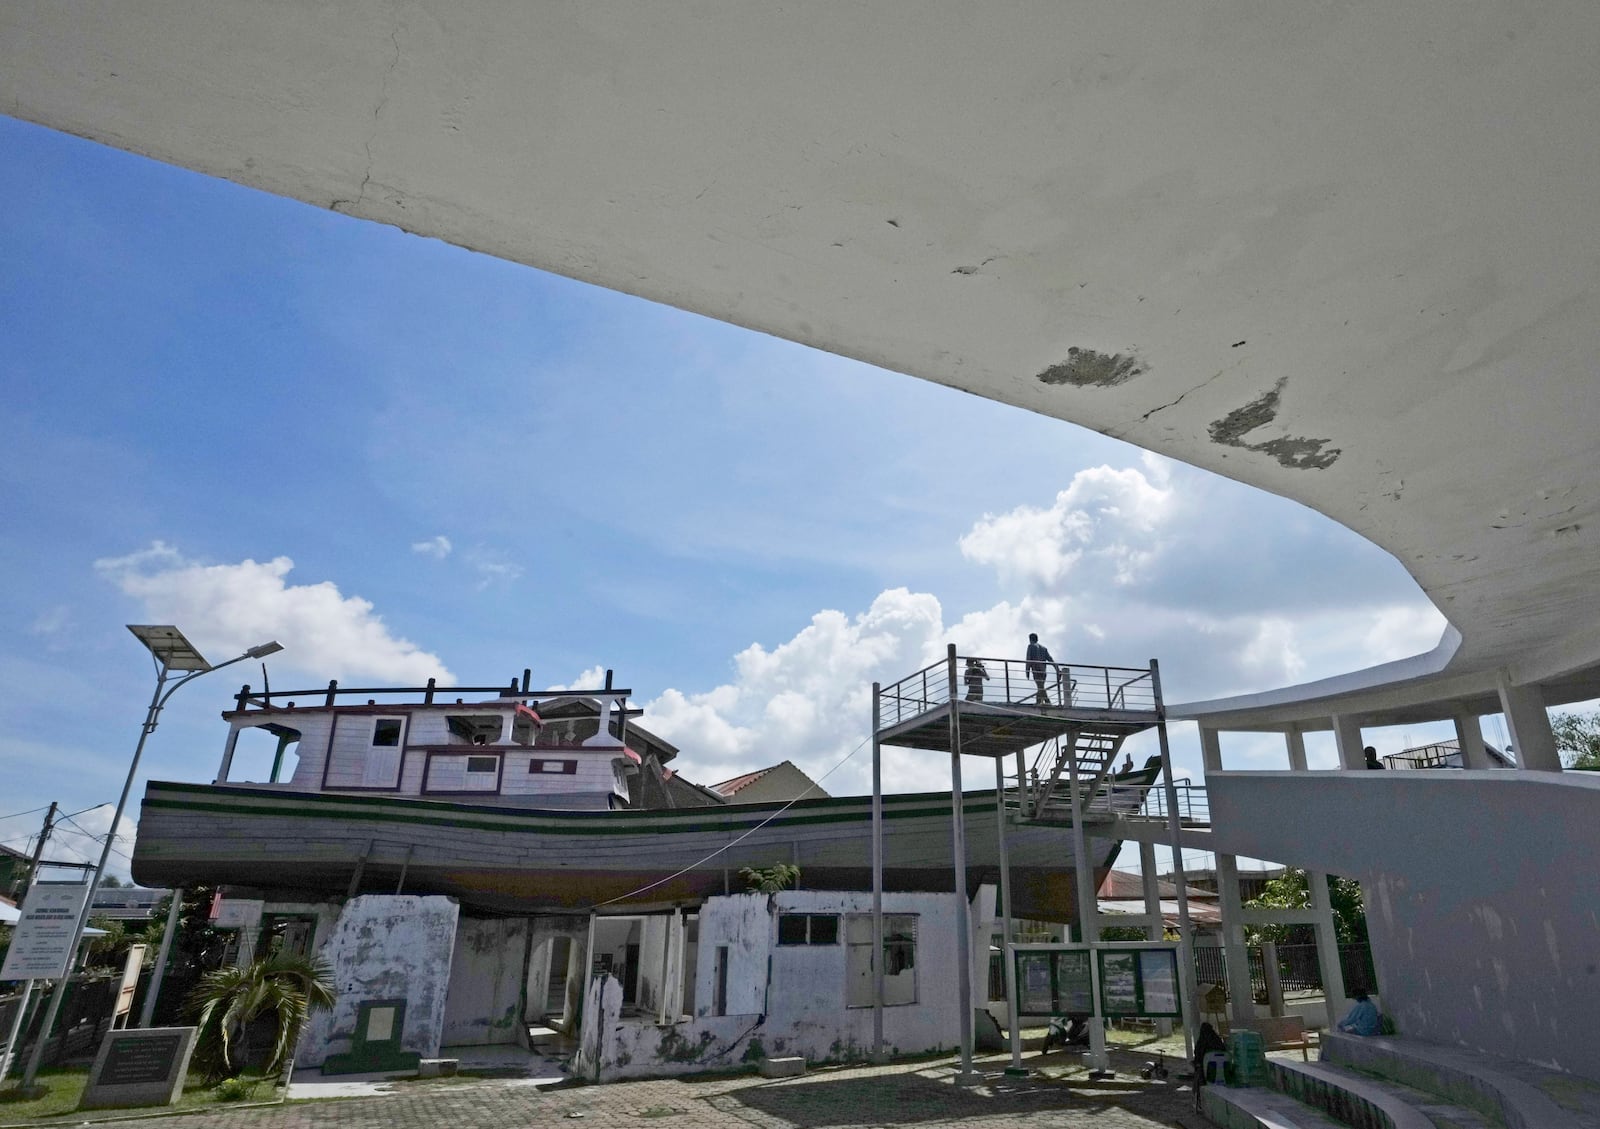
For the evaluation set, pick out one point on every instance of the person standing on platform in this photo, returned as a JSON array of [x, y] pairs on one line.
[[1038, 661], [1372, 757], [976, 675]]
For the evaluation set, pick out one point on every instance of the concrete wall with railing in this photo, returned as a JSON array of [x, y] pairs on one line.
[[1483, 897]]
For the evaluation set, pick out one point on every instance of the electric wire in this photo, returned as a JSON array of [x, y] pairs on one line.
[[19, 814], [729, 846]]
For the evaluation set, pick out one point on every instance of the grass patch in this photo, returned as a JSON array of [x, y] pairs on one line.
[[64, 1085]]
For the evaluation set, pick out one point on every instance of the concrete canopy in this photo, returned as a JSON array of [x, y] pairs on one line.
[[1346, 252]]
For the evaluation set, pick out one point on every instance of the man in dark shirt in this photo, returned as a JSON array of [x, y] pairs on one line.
[[1038, 659]]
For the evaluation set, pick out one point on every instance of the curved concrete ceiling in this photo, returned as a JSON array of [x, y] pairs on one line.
[[1345, 251]]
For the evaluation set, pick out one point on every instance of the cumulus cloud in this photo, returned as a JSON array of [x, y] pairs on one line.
[[225, 608], [1126, 564], [436, 547]]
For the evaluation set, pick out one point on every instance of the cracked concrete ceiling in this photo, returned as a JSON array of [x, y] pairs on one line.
[[1346, 252]]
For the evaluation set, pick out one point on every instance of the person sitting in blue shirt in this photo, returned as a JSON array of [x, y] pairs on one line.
[[1363, 1017]]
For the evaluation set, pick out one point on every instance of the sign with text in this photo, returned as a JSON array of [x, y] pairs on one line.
[[1139, 981], [139, 1068], [1135, 980], [47, 932], [1054, 982]]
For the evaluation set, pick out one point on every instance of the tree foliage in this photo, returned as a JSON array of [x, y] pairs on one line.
[[285, 986], [1290, 890], [1578, 739], [770, 879]]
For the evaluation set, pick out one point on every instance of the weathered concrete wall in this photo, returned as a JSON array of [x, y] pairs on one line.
[[802, 1008], [742, 923], [1483, 899], [386, 946], [484, 1004]]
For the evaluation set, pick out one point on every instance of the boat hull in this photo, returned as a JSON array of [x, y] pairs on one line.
[[501, 860]]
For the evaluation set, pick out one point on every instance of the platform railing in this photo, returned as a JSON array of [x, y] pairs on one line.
[[1019, 683], [1128, 801]]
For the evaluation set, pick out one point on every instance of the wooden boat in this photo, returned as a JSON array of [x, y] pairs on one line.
[[518, 860]]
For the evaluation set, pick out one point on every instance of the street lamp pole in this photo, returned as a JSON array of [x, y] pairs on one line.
[[172, 654]]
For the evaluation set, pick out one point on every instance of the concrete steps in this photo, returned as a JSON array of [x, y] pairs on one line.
[[1391, 1083]]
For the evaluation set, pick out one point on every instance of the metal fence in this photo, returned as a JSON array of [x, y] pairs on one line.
[[1016, 682], [85, 1015], [1298, 968]]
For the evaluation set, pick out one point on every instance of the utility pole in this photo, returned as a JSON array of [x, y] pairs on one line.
[[27, 988]]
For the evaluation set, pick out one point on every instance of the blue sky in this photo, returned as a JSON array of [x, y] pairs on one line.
[[476, 467]]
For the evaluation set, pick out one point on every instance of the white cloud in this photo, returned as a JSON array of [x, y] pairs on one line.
[[492, 568], [436, 547], [1125, 565], [225, 608]]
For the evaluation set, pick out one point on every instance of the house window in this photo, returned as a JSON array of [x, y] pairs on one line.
[[559, 768], [899, 959], [808, 929]]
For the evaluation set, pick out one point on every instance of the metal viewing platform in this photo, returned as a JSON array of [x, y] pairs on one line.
[[1076, 718]]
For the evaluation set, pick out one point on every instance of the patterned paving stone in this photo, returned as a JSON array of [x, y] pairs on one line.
[[916, 1096]]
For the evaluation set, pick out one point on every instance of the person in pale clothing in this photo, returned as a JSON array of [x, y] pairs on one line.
[[975, 676], [1363, 1018]]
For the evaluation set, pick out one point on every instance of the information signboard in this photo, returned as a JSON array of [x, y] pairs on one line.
[[1139, 981], [47, 932], [1136, 980], [1054, 982]]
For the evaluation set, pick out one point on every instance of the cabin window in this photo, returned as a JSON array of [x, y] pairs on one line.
[[559, 768], [475, 728], [482, 764], [808, 929], [386, 732], [899, 959]]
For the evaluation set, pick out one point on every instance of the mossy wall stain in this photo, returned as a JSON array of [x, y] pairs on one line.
[[1086, 368], [1295, 452]]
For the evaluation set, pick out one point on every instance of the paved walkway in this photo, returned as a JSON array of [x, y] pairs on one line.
[[920, 1095]]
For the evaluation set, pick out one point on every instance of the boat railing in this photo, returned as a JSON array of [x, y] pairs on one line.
[[430, 694], [1017, 682]]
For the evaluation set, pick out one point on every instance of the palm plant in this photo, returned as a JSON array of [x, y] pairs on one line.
[[284, 985]]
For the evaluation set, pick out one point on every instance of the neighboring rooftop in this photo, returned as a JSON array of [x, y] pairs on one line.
[[778, 782]]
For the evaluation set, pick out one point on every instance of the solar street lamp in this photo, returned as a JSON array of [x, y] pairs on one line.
[[173, 656]]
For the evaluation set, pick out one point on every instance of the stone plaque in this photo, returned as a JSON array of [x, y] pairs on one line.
[[138, 1068]]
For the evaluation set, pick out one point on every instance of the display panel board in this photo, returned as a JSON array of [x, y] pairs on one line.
[[1054, 982], [1134, 981], [45, 935], [1141, 982]]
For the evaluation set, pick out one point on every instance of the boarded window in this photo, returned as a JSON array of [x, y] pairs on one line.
[[899, 959], [559, 768], [808, 929]]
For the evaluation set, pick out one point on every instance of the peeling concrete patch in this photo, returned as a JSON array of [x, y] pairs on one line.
[[1085, 368], [1295, 452]]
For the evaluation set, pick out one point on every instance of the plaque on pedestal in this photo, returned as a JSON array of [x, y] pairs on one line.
[[139, 1068]]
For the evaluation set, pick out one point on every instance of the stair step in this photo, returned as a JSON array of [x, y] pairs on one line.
[[1361, 1099], [1237, 1108]]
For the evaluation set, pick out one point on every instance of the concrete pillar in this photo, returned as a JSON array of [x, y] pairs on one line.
[[1296, 742], [1210, 749], [1523, 706], [1241, 999], [1156, 929], [1469, 735], [1327, 947], [1269, 965], [1347, 731], [1152, 890]]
